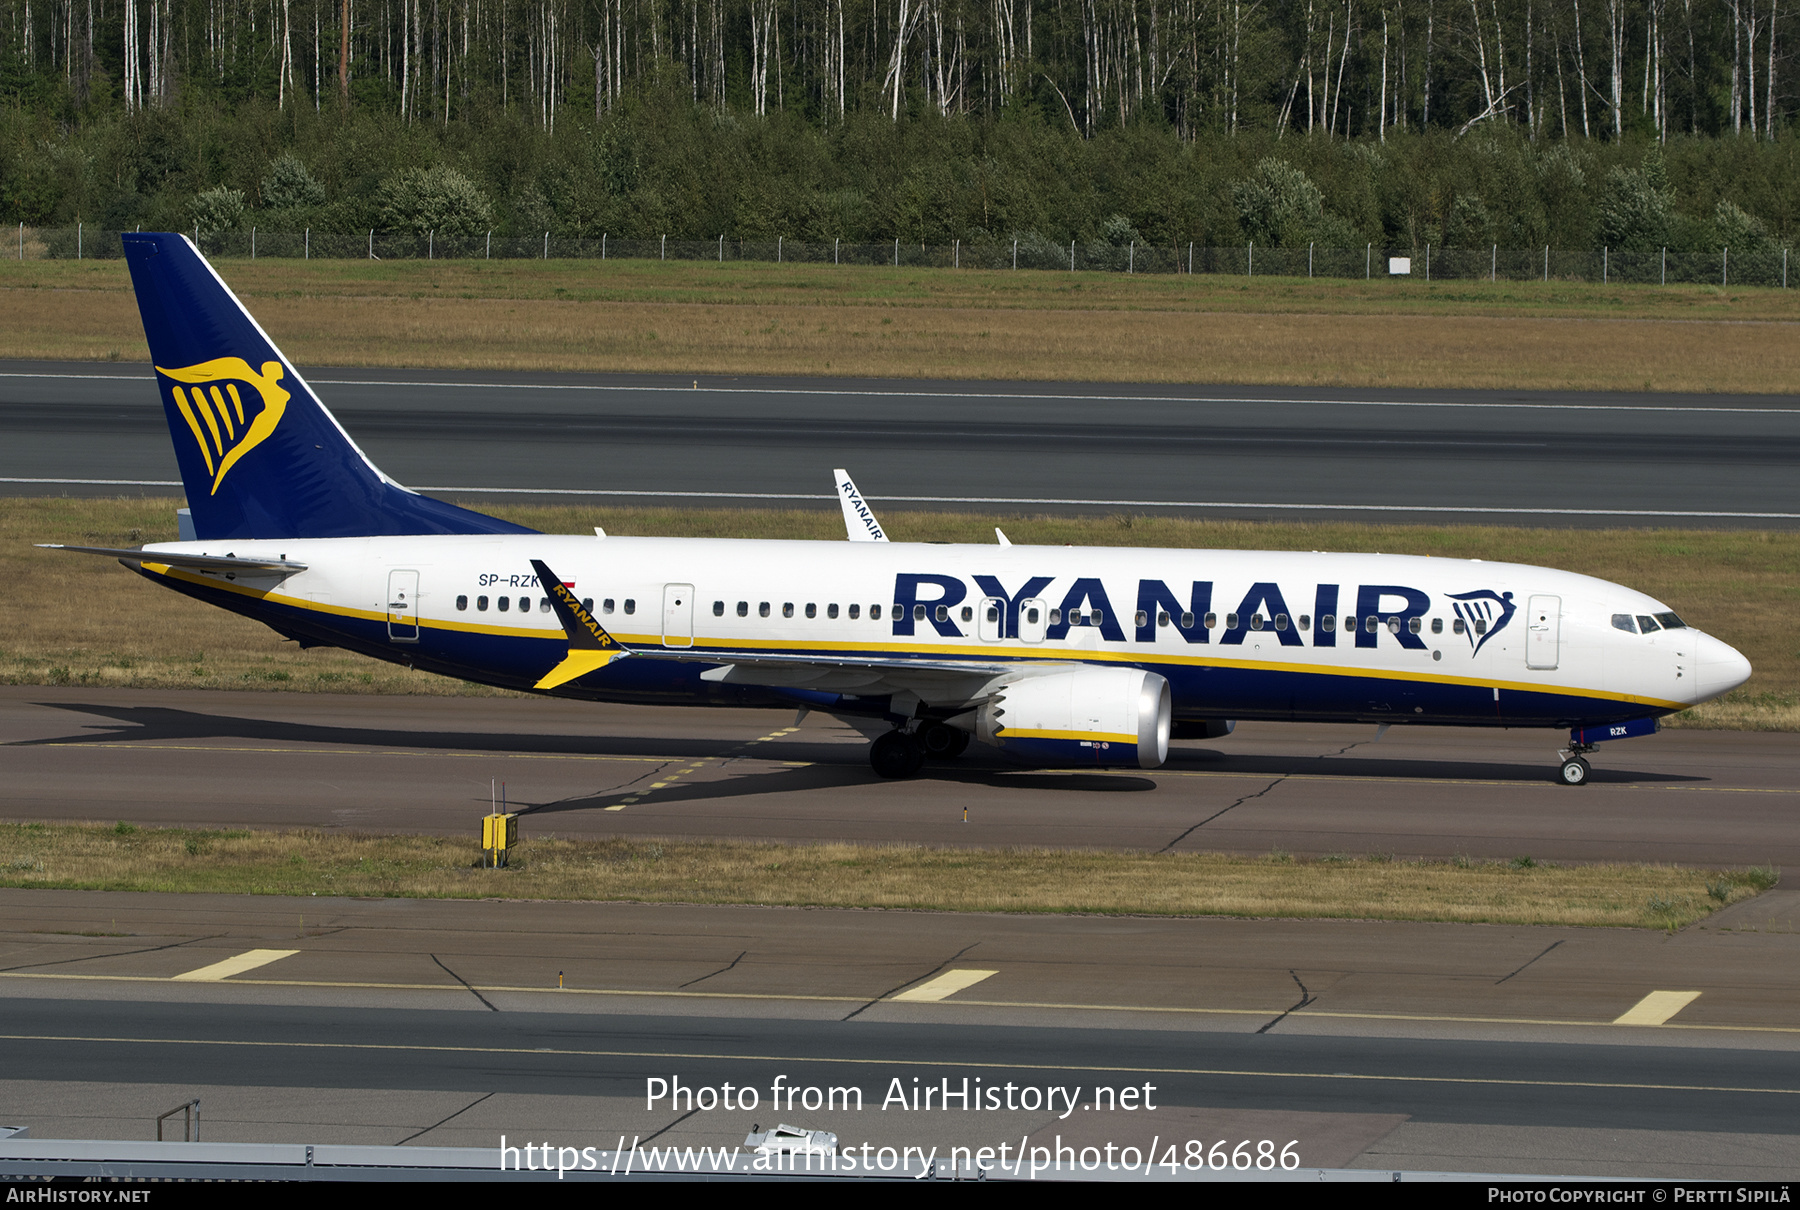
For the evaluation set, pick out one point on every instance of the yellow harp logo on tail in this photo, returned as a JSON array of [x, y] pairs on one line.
[[231, 408]]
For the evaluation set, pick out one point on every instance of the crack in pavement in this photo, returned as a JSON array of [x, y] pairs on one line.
[[1547, 949], [120, 954], [917, 979], [720, 971], [1305, 999], [1240, 802], [472, 992], [409, 1138]]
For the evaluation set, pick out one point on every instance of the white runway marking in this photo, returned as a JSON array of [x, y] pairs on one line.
[[1656, 1008], [946, 984], [249, 960]]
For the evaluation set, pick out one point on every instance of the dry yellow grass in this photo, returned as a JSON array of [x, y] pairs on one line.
[[684, 317], [1742, 585], [122, 857]]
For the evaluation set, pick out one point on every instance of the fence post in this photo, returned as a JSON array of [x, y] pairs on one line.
[[77, 241], [1131, 258], [1784, 253], [1427, 262], [1015, 252], [721, 248], [1250, 260], [1725, 266], [253, 241], [1368, 260], [1190, 258], [489, 250], [308, 255], [1494, 265], [1605, 264], [956, 255], [371, 243], [1071, 256], [431, 244], [22, 245], [835, 245], [1546, 262], [602, 243], [897, 255], [1665, 266], [1309, 252]]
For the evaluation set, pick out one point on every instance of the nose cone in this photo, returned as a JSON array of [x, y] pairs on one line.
[[1718, 667]]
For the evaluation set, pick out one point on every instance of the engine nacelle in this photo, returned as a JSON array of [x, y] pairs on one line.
[[1084, 715]]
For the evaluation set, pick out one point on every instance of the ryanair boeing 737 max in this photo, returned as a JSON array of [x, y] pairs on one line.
[[1053, 655]]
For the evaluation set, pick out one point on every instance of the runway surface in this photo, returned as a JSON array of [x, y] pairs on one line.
[[1367, 1045], [426, 764], [1541, 458]]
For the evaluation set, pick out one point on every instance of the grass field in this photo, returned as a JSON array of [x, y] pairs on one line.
[[68, 619], [689, 317], [1521, 891]]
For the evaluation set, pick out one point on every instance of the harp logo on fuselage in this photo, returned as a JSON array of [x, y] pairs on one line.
[[229, 407]]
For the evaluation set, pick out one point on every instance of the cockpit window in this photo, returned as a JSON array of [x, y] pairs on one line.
[[1623, 621], [1647, 624], [1671, 622]]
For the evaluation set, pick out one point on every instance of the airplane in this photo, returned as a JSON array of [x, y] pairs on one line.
[[1054, 656]]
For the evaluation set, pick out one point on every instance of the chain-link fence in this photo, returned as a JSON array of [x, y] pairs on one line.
[[1762, 265]]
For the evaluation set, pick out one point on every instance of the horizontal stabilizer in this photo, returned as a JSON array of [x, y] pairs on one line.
[[170, 559]]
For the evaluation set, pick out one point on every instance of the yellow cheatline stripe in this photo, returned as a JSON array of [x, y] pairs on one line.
[[424, 1048], [1007, 733], [704, 647], [946, 984], [249, 960], [1656, 1008]]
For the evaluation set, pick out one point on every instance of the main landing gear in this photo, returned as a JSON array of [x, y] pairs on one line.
[[901, 754], [1575, 770]]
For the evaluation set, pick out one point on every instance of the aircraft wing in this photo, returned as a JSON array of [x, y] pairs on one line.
[[940, 682], [169, 559]]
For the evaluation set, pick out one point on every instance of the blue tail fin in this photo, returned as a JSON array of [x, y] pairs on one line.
[[259, 454]]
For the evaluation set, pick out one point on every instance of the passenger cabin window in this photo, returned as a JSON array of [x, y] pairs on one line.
[[1371, 623], [1212, 621], [831, 610], [943, 613], [505, 604], [874, 613], [787, 609], [1437, 626], [993, 613], [1328, 623], [1031, 615], [1055, 617], [543, 604], [1256, 621], [1306, 621], [762, 609], [1480, 625], [743, 609], [718, 609], [1281, 621], [630, 605], [1625, 622], [968, 613], [1231, 621], [481, 604], [1393, 625], [1350, 623], [462, 603], [1187, 621], [1143, 619], [918, 612], [812, 610], [857, 609], [587, 603], [524, 604], [606, 606], [1415, 625], [1458, 626]]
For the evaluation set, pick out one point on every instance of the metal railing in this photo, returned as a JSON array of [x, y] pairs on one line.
[[1765, 264]]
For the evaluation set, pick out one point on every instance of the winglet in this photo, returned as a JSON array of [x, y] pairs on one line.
[[590, 647], [860, 524]]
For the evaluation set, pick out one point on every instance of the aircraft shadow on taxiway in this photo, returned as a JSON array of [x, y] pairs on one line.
[[829, 765]]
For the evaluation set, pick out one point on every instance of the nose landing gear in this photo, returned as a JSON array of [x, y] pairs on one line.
[[1575, 770]]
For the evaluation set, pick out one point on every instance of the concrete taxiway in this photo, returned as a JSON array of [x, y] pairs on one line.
[[429, 764], [1411, 1046]]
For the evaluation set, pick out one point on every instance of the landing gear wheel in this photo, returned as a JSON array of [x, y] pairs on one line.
[[1575, 771], [896, 755], [943, 742]]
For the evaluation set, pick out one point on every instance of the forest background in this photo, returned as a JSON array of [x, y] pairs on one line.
[[1630, 124]]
